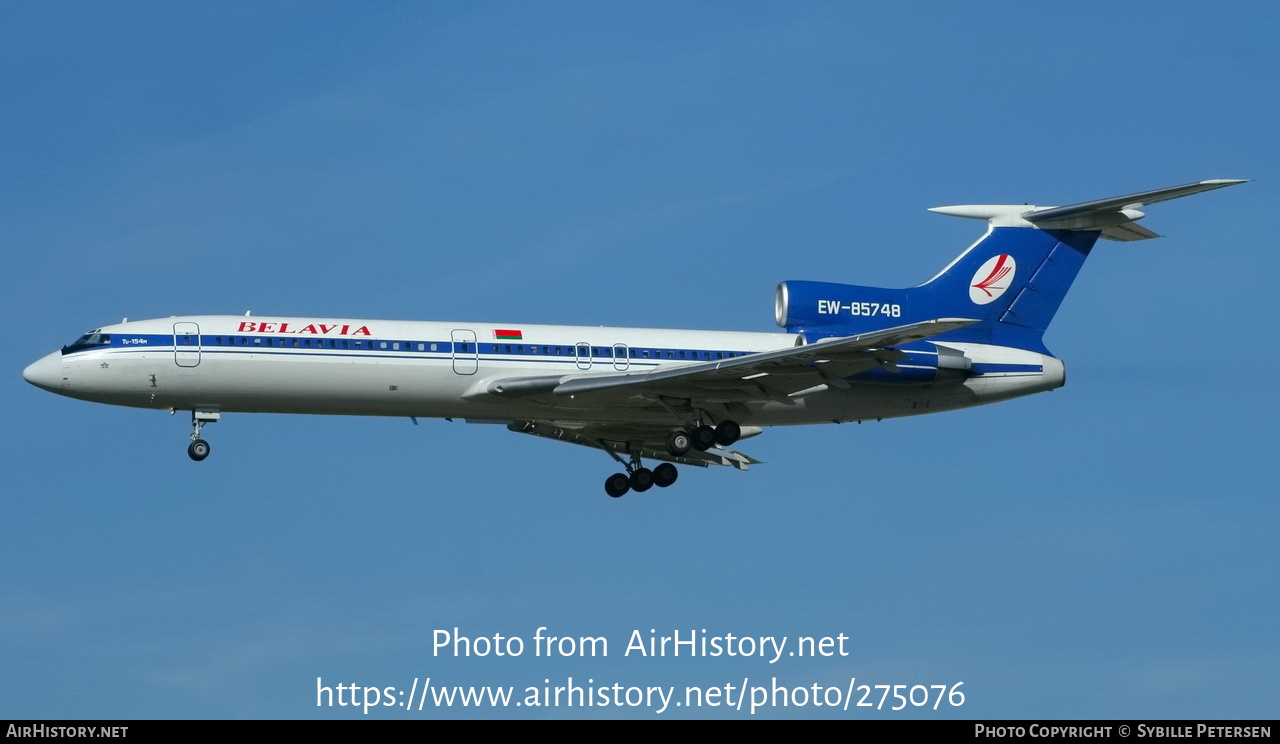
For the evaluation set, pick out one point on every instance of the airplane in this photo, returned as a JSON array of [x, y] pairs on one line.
[[971, 335]]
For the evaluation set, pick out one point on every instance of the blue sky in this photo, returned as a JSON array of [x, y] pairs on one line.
[[1105, 550]]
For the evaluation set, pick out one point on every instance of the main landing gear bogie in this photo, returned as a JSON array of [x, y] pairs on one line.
[[639, 478], [702, 437], [699, 436]]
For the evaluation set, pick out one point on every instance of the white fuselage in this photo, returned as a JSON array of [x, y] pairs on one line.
[[433, 369]]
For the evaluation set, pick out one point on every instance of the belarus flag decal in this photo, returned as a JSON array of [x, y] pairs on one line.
[[508, 335]]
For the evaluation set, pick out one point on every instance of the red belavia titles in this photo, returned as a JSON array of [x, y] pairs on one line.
[[315, 329]]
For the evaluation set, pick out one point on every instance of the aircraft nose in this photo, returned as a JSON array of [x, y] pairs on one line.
[[45, 372]]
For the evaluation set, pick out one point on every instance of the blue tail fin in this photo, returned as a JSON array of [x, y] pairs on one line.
[[1012, 280]]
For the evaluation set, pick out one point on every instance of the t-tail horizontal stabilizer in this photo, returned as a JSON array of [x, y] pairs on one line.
[[1114, 218]]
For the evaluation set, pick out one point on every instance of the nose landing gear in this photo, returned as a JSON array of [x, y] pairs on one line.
[[199, 449]]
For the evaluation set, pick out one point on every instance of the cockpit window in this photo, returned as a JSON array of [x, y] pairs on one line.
[[90, 340]]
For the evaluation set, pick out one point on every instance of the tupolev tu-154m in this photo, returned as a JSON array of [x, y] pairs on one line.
[[970, 335]]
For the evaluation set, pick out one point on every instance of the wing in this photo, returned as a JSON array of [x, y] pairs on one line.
[[782, 374]]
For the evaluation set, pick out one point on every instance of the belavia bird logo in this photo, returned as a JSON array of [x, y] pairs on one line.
[[992, 279]]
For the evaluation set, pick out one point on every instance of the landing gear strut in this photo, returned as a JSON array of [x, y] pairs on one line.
[[199, 449]]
